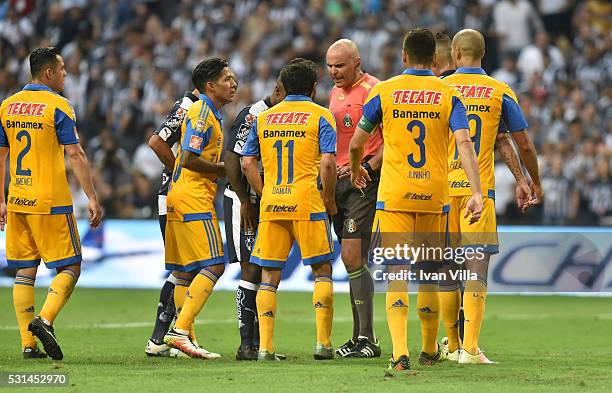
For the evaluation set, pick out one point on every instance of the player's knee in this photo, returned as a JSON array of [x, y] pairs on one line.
[[27, 272], [250, 272], [75, 270], [322, 269], [217, 269], [351, 257], [184, 275]]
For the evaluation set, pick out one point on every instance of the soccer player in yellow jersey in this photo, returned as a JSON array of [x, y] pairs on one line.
[[296, 140], [416, 110], [193, 241], [491, 105], [37, 126]]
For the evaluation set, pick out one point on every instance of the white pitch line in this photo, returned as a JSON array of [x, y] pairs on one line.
[[229, 321]]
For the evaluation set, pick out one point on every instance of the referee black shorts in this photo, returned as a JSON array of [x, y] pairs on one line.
[[239, 244], [355, 210]]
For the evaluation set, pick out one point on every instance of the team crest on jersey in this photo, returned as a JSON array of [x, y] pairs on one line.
[[195, 142], [218, 142], [200, 124], [341, 97], [348, 122], [350, 225]]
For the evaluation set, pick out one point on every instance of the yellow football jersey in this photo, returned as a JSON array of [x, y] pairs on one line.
[[35, 124], [416, 111], [290, 138], [192, 194], [490, 105]]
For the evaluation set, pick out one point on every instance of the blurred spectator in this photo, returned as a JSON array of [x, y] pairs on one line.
[[515, 21], [128, 61]]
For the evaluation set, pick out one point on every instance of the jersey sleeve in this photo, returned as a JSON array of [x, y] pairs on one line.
[[64, 120], [239, 131], [512, 115], [372, 111], [3, 137], [327, 134], [251, 147], [458, 117], [198, 129], [170, 130]]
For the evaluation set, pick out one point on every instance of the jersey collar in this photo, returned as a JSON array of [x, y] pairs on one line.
[[297, 97], [471, 70], [38, 87], [212, 106], [414, 71]]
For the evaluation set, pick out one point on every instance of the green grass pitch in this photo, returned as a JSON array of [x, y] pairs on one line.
[[547, 343]]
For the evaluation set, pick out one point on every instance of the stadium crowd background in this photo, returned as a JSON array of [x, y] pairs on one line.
[[129, 60]]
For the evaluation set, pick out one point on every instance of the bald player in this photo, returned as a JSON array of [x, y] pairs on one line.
[[490, 105], [449, 293], [356, 209]]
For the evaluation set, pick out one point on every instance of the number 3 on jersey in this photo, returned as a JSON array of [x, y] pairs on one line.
[[420, 142]]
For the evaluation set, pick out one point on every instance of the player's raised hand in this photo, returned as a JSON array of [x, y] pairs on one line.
[[95, 213], [2, 216], [474, 208], [248, 216], [361, 178]]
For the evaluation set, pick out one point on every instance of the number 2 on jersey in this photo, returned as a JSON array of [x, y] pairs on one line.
[[278, 145], [19, 170]]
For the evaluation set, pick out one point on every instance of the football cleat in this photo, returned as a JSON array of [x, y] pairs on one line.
[[323, 353], [162, 350], [205, 354], [399, 365], [467, 358], [46, 335], [345, 348], [364, 348], [265, 356], [446, 354], [426, 359], [246, 353], [33, 353], [183, 343]]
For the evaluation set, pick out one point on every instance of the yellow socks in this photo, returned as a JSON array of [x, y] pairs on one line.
[[59, 292], [474, 300], [266, 311], [23, 300], [397, 316], [428, 304], [196, 296], [323, 303], [450, 303]]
